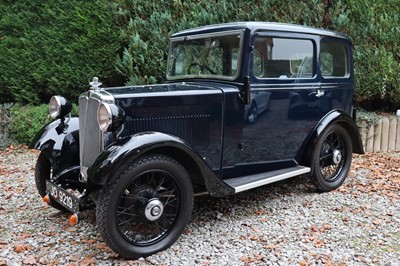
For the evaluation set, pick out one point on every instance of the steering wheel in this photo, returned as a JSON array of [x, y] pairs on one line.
[[201, 66]]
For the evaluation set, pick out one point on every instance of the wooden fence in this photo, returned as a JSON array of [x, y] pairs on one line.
[[382, 136]]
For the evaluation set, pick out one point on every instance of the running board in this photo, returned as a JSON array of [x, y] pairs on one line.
[[252, 181]]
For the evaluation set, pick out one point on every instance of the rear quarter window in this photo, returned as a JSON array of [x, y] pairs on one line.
[[334, 60]]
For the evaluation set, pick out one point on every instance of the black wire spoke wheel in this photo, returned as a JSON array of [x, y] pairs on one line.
[[146, 207], [332, 158], [332, 151]]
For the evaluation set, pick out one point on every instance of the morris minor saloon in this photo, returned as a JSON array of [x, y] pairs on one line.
[[244, 105]]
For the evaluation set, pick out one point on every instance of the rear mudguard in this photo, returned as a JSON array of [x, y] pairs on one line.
[[333, 117], [119, 155], [59, 142]]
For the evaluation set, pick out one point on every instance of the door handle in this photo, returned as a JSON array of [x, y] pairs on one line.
[[317, 93]]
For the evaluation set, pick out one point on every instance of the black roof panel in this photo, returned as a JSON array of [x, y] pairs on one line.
[[260, 26]]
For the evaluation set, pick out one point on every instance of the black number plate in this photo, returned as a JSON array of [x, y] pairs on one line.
[[63, 197]]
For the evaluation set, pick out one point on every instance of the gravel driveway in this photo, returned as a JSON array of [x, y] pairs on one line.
[[281, 224]]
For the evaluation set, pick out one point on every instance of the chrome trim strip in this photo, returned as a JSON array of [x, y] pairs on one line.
[[101, 95], [194, 36]]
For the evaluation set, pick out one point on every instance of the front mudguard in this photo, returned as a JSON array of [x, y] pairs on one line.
[[119, 155], [333, 117], [58, 141]]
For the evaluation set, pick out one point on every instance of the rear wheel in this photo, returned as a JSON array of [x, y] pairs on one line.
[[43, 172], [331, 158], [145, 209]]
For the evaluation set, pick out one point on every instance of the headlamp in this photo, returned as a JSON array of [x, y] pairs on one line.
[[110, 117], [59, 107]]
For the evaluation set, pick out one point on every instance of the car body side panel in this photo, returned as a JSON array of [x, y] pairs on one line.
[[192, 112], [278, 138]]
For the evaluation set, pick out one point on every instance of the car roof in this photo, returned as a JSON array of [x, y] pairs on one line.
[[260, 26]]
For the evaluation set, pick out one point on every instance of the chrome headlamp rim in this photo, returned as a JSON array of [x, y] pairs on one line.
[[104, 117], [110, 117], [59, 107], [55, 106]]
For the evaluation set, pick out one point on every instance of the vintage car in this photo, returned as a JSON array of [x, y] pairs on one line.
[[138, 155]]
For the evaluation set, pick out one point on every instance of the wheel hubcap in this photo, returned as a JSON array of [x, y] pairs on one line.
[[148, 208], [337, 157], [153, 210]]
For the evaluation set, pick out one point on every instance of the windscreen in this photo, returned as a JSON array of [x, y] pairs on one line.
[[205, 56]]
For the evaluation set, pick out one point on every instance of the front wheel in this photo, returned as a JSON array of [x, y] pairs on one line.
[[146, 207], [331, 158]]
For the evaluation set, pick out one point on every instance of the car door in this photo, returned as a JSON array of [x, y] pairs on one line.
[[283, 67]]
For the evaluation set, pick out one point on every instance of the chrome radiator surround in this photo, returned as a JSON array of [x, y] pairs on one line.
[[91, 138]]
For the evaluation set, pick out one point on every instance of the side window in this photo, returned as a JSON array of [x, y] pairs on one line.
[[283, 58], [333, 60]]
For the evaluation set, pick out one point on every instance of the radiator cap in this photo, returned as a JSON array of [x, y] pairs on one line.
[[95, 84]]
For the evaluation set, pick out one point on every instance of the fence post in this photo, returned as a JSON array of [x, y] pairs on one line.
[[392, 134], [385, 134], [370, 138]]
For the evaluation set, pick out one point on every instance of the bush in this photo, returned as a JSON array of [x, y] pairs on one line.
[[5, 122], [28, 120], [55, 47], [373, 26], [146, 26]]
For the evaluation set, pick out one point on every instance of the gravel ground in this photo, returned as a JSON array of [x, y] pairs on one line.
[[281, 224]]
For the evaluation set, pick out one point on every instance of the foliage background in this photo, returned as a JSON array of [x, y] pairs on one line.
[[374, 27], [56, 47]]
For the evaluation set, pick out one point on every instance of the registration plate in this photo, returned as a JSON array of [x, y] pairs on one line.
[[63, 197]]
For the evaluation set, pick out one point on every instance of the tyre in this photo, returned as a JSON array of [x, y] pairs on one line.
[[331, 158], [146, 207], [43, 172]]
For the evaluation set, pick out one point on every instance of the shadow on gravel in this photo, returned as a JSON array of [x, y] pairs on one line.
[[207, 205]]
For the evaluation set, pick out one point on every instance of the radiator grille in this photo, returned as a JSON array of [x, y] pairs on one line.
[[90, 135], [192, 128]]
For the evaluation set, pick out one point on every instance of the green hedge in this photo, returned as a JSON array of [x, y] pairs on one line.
[[55, 47], [373, 25], [148, 26], [28, 120]]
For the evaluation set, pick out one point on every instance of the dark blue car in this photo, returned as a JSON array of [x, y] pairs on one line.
[[244, 105]]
